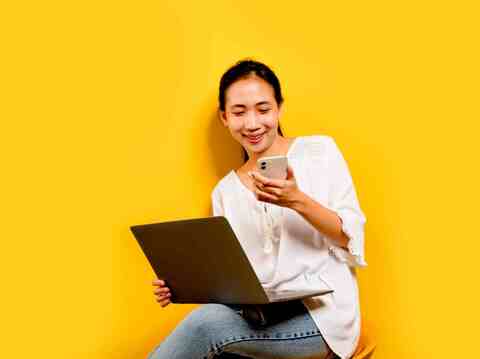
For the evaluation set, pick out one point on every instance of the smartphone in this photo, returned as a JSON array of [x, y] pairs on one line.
[[273, 166]]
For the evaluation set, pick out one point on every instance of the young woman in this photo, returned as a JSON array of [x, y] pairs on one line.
[[305, 232]]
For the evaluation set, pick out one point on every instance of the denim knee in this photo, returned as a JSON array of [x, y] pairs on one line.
[[211, 320]]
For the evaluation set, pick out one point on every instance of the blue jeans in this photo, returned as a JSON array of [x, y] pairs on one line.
[[270, 331]]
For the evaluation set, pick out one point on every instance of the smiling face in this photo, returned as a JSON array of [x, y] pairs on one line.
[[251, 114]]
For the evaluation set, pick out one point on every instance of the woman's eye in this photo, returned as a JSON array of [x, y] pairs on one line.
[[265, 110], [238, 113]]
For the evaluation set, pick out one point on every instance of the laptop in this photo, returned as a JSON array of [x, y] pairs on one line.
[[202, 261]]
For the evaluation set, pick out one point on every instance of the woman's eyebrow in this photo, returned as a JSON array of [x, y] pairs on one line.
[[244, 106], [262, 103]]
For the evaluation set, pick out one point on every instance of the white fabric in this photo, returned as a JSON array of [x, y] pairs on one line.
[[287, 252]]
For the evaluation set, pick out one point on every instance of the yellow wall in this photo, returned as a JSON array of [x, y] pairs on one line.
[[108, 119]]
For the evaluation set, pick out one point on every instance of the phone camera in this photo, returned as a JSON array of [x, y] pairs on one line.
[[264, 163]]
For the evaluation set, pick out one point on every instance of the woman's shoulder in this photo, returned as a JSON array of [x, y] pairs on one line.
[[317, 138], [318, 145], [224, 184]]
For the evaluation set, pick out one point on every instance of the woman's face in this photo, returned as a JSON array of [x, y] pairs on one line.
[[251, 113]]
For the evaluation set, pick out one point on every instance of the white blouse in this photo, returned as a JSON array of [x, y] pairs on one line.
[[287, 252]]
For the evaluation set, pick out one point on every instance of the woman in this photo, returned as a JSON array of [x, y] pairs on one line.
[[305, 232]]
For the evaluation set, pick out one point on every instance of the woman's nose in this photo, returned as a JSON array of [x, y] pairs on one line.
[[251, 121]]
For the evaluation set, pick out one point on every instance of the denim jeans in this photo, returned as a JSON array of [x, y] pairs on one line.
[[270, 331]]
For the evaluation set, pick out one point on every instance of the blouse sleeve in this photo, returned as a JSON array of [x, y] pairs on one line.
[[217, 204], [343, 200]]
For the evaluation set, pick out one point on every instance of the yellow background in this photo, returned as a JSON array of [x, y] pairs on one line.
[[108, 119]]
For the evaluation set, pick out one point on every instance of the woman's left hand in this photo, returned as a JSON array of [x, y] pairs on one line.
[[283, 193]]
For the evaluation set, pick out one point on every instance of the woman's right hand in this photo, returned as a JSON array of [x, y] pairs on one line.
[[162, 292]]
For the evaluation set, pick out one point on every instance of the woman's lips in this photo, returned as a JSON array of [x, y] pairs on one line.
[[255, 139]]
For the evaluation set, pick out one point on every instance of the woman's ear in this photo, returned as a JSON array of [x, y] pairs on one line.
[[280, 110], [222, 116]]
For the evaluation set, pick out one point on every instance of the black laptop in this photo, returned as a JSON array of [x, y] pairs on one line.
[[202, 261]]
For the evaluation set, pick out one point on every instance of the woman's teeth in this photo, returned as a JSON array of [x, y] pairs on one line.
[[254, 139]]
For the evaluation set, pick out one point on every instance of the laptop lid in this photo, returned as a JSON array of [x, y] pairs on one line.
[[201, 261]]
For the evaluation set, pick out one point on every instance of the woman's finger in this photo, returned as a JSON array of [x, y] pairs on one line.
[[158, 293], [263, 196], [161, 297], [161, 290], [158, 282], [271, 190], [165, 302], [266, 181]]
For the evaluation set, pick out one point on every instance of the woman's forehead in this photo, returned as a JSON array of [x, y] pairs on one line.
[[252, 91]]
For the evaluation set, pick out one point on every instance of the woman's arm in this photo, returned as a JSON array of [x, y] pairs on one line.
[[286, 193], [320, 217], [341, 220]]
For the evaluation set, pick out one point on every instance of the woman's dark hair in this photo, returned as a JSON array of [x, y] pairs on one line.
[[243, 69]]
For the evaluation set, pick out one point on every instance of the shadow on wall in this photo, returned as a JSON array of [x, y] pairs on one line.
[[226, 153]]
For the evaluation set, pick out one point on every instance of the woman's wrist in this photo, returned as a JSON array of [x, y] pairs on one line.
[[300, 202]]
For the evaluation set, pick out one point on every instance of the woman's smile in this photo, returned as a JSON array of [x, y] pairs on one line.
[[255, 139]]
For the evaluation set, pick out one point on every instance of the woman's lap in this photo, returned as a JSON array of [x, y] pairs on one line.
[[220, 331]]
